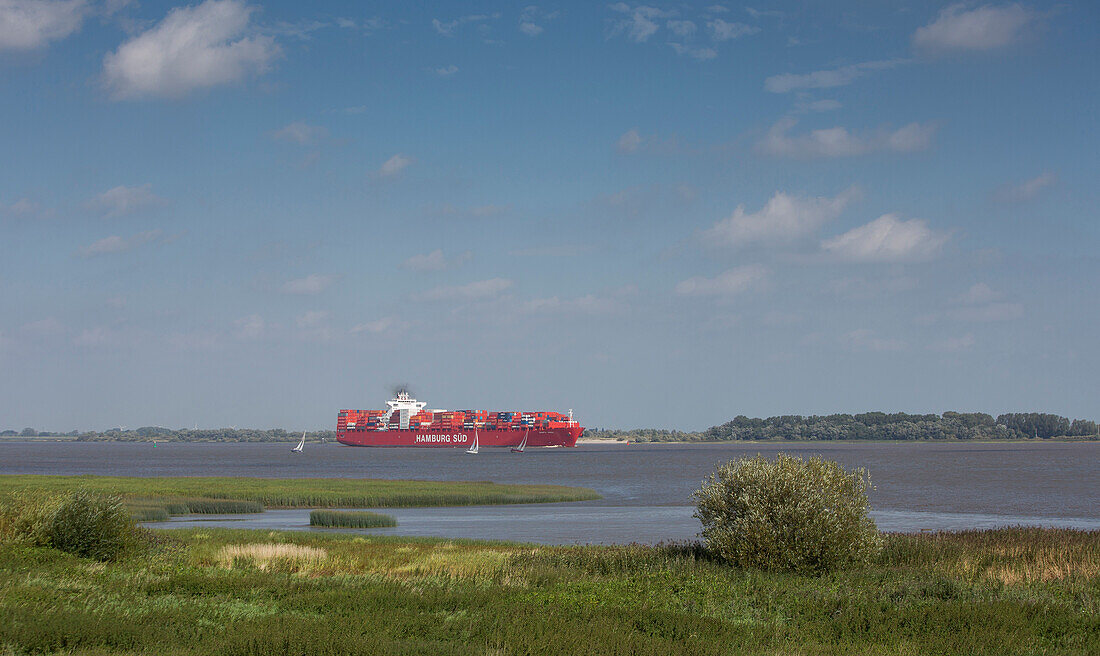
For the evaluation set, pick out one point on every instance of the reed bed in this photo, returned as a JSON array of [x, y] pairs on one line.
[[350, 519], [305, 492], [156, 510]]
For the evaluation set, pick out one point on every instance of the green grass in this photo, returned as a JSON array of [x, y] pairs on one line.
[[1022, 591], [301, 492], [350, 519]]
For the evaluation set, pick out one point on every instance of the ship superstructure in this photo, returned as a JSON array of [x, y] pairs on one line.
[[407, 422]]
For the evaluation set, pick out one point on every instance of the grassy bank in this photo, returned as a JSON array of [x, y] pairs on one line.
[[299, 492], [255, 592]]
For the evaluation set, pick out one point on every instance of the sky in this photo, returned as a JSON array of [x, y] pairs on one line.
[[253, 214]]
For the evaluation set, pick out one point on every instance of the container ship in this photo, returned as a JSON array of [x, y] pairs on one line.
[[406, 422]]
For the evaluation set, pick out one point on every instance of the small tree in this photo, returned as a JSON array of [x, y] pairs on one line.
[[807, 516]]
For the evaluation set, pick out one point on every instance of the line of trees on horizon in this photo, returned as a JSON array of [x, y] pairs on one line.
[[864, 426], [874, 426]]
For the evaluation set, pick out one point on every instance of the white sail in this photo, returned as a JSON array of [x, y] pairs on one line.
[[522, 444], [301, 445], [473, 450]]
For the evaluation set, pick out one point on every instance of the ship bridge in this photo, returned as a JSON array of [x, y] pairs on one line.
[[405, 406]]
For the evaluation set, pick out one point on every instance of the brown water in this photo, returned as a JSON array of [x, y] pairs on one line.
[[646, 488]]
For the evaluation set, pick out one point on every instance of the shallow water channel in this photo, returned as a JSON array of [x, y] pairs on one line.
[[646, 488]]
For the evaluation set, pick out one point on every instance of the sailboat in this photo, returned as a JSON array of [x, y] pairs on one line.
[[301, 444], [473, 450], [522, 445]]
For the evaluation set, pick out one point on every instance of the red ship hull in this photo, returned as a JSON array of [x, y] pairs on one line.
[[461, 437]]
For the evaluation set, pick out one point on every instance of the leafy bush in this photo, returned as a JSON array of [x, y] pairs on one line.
[[807, 516], [81, 523], [350, 519]]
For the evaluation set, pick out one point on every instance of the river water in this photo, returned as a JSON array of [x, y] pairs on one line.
[[646, 488]]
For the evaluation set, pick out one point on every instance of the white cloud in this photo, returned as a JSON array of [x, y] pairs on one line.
[[395, 165], [31, 24], [123, 200], [311, 285], [93, 337], [1027, 189], [481, 289], [22, 208], [43, 327], [721, 30], [300, 133], [977, 294], [530, 17], [629, 142], [984, 28], [312, 319], [783, 218], [825, 105], [988, 312], [982, 303], [681, 28], [436, 261], [887, 239], [729, 283], [250, 327], [702, 54], [954, 344], [448, 28], [865, 339], [378, 326], [834, 77], [587, 304], [640, 23], [117, 244], [445, 71], [839, 142], [192, 48]]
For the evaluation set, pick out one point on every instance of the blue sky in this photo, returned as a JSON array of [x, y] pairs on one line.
[[253, 214]]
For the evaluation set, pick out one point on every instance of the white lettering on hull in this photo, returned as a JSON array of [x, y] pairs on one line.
[[443, 438]]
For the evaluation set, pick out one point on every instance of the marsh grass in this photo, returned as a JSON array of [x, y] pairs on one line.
[[157, 510], [304, 492], [273, 556], [1009, 557], [350, 519], [259, 592]]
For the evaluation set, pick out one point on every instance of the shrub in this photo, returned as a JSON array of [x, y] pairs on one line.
[[81, 523], [350, 519], [807, 516]]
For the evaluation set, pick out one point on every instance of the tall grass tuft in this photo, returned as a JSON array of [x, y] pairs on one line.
[[81, 522], [350, 519], [273, 556]]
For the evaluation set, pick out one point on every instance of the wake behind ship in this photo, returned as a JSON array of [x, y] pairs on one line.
[[406, 422]]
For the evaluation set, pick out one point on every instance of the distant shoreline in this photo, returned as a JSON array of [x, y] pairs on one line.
[[580, 442]]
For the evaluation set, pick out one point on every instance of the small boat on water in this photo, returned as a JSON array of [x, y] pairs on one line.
[[301, 444], [473, 450], [522, 444]]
